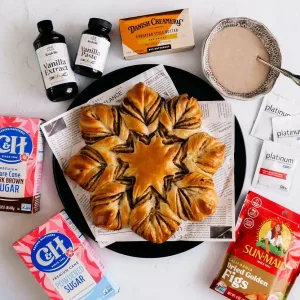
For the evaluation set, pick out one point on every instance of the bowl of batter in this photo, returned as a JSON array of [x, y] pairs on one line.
[[230, 62]]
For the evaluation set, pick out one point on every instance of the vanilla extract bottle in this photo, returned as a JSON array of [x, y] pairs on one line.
[[54, 61], [93, 49]]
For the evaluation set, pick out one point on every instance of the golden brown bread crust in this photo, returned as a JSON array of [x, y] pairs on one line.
[[153, 219], [181, 116], [146, 164], [203, 153], [193, 197], [94, 164], [101, 121], [86, 168], [150, 164], [110, 206], [140, 109]]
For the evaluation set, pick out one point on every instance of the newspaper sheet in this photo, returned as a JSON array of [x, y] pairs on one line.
[[64, 138]]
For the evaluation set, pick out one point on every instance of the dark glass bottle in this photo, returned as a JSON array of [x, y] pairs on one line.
[[54, 61], [93, 49]]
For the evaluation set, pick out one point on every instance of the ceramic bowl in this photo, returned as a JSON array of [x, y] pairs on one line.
[[268, 40]]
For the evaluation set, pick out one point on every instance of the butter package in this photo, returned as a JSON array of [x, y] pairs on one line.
[[159, 33], [64, 263], [21, 159]]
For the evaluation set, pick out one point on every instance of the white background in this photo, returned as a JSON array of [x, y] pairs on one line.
[[185, 276]]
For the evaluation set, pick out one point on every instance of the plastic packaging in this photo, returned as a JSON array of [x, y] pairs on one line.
[[272, 106], [286, 130], [264, 262], [276, 167]]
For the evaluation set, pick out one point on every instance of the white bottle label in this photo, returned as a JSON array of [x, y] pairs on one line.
[[55, 64], [92, 52]]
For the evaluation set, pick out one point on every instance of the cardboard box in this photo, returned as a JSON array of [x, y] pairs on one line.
[[64, 263], [155, 34], [21, 160]]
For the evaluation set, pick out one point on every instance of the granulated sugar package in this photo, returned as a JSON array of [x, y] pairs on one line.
[[272, 106], [286, 130], [276, 167]]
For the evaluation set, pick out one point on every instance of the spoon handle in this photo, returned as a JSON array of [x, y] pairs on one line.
[[295, 78]]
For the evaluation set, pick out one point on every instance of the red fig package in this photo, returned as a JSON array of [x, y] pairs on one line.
[[264, 262]]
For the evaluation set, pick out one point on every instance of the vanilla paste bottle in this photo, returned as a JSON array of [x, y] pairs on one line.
[[54, 61], [93, 49]]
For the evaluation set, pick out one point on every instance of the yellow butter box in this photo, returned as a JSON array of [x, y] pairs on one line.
[[158, 33]]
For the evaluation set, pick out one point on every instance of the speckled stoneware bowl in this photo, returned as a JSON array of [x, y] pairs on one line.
[[268, 40]]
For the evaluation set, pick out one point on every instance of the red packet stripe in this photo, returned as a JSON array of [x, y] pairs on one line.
[[272, 173]]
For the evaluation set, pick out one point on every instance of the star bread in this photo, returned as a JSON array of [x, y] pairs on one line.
[[146, 163]]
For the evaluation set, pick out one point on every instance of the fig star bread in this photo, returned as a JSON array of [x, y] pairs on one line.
[[146, 163]]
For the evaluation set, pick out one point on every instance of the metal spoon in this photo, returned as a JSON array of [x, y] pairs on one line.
[[295, 78]]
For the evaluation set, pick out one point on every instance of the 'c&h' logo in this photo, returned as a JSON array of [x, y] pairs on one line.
[[51, 252], [15, 145]]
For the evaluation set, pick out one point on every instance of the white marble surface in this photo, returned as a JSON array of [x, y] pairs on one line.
[[185, 276]]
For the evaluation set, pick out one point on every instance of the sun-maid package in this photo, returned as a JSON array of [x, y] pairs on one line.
[[21, 158], [273, 105], [286, 130], [64, 263], [264, 262], [276, 167], [158, 33]]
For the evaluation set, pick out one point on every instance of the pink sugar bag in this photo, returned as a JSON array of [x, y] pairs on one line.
[[64, 263], [21, 159]]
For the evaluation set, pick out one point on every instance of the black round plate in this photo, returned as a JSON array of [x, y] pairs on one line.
[[185, 83]]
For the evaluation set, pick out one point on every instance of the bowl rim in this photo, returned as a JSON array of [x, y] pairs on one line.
[[222, 90]]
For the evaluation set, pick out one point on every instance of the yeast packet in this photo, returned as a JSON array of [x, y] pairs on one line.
[[286, 130], [276, 167], [272, 106]]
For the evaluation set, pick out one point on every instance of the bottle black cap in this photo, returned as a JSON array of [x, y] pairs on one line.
[[99, 22], [45, 25]]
